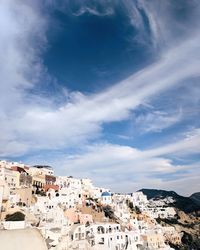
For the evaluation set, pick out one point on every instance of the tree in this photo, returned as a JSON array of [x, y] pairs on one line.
[[108, 212], [87, 224], [17, 216], [137, 209], [131, 205]]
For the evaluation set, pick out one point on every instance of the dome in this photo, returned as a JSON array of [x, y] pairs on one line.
[[105, 194]]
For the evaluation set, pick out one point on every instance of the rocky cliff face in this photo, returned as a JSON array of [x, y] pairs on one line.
[[187, 204], [189, 225], [187, 219]]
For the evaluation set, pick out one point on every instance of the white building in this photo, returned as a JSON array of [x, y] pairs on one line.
[[4, 195], [10, 177], [7, 164], [68, 182], [161, 212], [106, 198], [139, 200], [106, 236], [41, 170]]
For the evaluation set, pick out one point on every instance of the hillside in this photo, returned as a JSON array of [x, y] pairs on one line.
[[187, 220], [186, 204], [196, 198]]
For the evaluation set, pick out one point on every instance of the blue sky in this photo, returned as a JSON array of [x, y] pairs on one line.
[[103, 89]]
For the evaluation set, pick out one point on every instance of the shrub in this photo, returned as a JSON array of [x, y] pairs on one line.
[[137, 210], [108, 212], [17, 216], [131, 205]]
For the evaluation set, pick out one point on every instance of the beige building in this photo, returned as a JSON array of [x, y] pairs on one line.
[[172, 235], [38, 181], [41, 170], [24, 179], [25, 195], [153, 240], [11, 177], [4, 197]]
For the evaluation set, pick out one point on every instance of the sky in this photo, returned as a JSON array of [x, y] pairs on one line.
[[107, 90]]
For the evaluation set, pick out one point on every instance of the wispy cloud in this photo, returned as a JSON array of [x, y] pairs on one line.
[[190, 144], [31, 122], [44, 125], [94, 11], [156, 121], [78, 7], [124, 168]]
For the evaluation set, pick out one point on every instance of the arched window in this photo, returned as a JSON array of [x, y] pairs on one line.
[[100, 229]]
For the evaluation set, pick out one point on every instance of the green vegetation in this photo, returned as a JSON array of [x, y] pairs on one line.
[[132, 207], [17, 216], [189, 242], [40, 192], [108, 212]]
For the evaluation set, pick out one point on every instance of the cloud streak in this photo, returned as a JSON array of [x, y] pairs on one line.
[[31, 122], [123, 168], [156, 121], [80, 118]]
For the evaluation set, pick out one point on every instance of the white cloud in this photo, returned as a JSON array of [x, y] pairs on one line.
[[31, 122], [94, 11], [168, 26], [190, 144], [38, 123], [124, 168], [156, 121], [78, 7], [20, 66]]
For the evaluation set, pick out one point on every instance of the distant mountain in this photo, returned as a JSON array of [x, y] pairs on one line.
[[186, 204], [196, 198]]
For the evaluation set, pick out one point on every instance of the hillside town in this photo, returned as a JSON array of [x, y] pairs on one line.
[[60, 213]]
